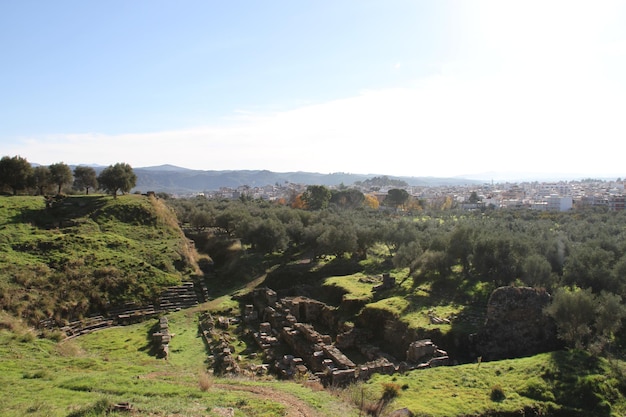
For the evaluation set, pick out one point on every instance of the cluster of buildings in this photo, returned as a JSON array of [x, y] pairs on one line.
[[544, 196]]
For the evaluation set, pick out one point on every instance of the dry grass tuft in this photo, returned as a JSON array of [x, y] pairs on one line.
[[69, 349], [205, 381]]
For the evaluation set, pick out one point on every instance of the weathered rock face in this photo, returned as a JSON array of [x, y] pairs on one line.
[[516, 325]]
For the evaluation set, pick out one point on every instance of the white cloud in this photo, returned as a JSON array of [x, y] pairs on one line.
[[440, 126]]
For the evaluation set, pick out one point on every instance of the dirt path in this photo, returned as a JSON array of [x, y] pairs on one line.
[[295, 407]]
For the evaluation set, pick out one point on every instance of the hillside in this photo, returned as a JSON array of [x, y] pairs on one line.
[[67, 258]]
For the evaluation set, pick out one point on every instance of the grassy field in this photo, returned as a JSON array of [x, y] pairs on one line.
[[85, 376]]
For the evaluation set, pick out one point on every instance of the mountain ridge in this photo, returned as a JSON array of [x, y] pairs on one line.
[[174, 179]]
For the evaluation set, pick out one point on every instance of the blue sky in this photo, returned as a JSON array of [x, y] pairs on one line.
[[398, 87]]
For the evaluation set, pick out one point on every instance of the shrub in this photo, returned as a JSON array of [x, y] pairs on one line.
[[497, 393], [390, 391]]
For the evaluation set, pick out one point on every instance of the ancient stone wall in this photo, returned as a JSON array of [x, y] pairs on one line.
[[516, 324]]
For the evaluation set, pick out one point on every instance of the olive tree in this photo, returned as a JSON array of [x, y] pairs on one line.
[[40, 179], [85, 178], [60, 175], [585, 319], [15, 173], [118, 177]]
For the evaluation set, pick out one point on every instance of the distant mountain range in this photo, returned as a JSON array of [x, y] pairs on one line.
[[173, 179]]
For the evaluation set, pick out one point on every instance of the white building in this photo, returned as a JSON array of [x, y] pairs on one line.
[[559, 203]]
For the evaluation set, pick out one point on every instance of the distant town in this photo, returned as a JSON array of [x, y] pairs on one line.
[[542, 196]]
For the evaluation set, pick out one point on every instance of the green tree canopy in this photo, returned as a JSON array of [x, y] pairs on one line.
[[41, 179], [585, 319], [396, 197], [15, 173], [347, 198], [118, 177], [316, 197], [85, 178], [60, 175]]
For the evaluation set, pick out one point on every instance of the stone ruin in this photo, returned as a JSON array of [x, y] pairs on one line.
[[162, 337], [219, 345], [515, 325], [388, 282], [291, 321], [427, 354]]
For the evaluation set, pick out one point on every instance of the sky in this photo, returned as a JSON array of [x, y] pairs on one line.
[[395, 87]]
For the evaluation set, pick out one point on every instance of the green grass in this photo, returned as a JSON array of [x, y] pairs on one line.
[[43, 378], [355, 286], [572, 382]]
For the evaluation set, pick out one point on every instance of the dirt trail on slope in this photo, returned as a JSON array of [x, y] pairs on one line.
[[295, 407]]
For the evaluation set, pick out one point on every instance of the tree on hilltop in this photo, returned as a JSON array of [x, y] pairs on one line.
[[85, 178], [15, 173], [118, 177], [40, 179], [60, 175]]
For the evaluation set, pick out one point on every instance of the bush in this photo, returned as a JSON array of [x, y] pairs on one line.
[[497, 393], [390, 391]]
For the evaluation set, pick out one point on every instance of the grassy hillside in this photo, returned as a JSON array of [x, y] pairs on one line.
[[66, 258], [561, 383]]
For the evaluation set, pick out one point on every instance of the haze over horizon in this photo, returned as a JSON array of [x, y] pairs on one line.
[[402, 88]]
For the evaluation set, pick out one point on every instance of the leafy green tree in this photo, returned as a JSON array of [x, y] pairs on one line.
[[367, 236], [268, 235], [609, 314], [316, 197], [15, 173], [41, 179], [573, 312], [537, 271], [495, 259], [473, 198], [408, 255], [60, 175], [85, 178], [118, 177], [398, 233], [201, 219], [396, 197], [337, 239], [590, 266], [461, 246], [347, 198], [586, 320]]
